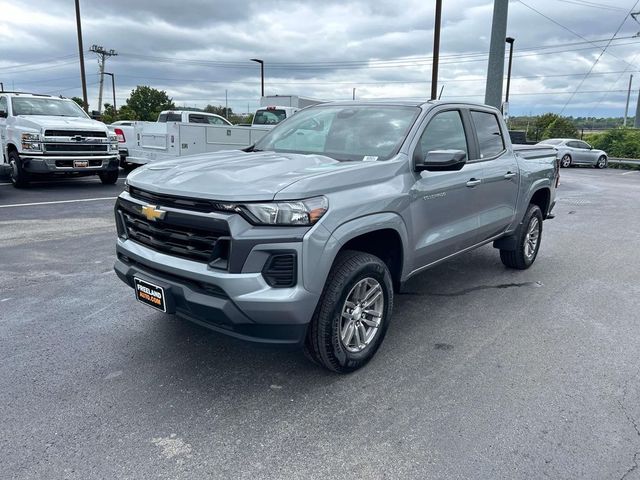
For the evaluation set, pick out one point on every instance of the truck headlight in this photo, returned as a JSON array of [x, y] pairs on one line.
[[295, 212], [31, 142]]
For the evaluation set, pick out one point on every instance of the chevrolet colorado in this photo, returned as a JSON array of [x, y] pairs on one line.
[[304, 237]]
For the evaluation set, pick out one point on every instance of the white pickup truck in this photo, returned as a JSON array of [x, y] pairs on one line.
[[43, 136]]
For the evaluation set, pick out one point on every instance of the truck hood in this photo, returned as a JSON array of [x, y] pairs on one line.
[[43, 122], [255, 176]]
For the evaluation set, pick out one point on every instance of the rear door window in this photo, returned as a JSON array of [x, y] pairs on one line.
[[3, 104], [170, 117], [215, 121], [196, 118], [489, 134]]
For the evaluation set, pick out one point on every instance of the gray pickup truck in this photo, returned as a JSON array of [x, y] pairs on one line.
[[304, 237]]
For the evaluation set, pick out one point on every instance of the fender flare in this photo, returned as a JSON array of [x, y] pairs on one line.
[[314, 279]]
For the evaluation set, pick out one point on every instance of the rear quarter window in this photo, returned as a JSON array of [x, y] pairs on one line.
[[489, 134]]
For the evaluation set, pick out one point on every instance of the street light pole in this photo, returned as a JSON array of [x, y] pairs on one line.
[[510, 41], [261, 62], [113, 86], [436, 51]]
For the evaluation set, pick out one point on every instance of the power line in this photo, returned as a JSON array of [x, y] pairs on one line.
[[357, 63], [568, 29], [39, 62], [599, 57], [592, 5]]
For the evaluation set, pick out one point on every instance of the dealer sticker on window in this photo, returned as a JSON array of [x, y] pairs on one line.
[[150, 294]]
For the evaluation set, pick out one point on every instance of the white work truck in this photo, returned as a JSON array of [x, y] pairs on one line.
[[43, 136], [176, 134]]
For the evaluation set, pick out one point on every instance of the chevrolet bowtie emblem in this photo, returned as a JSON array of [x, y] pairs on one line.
[[152, 213]]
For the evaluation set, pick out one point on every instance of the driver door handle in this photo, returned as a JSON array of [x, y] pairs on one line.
[[473, 182], [509, 175]]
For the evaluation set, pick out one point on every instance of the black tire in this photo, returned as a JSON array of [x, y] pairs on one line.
[[323, 343], [601, 163], [19, 178], [109, 177], [565, 161], [518, 258]]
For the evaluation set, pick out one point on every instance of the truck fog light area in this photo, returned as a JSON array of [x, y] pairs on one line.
[[280, 271]]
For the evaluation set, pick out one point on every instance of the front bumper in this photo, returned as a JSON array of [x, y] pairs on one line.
[[238, 305], [65, 164]]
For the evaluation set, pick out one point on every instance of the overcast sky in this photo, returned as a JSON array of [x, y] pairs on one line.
[[198, 49]]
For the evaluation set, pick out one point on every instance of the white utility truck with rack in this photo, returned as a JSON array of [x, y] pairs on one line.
[[176, 134]]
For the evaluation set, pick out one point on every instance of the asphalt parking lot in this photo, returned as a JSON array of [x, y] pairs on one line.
[[485, 372]]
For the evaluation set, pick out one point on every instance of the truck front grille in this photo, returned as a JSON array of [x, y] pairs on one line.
[[75, 147], [177, 234], [74, 133], [184, 203]]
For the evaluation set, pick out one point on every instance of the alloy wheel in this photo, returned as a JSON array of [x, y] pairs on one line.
[[361, 315]]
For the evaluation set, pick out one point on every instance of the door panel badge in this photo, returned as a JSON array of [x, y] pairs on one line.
[[434, 196]]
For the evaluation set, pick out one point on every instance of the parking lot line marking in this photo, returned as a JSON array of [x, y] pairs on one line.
[[9, 183], [57, 202]]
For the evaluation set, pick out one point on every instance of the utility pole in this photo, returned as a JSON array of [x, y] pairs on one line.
[[353, 97], [495, 69], [636, 122], [2, 86], [226, 103], [436, 50], [83, 77], [102, 56], [626, 108]]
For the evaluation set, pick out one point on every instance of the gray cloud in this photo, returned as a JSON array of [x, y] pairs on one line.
[[174, 46]]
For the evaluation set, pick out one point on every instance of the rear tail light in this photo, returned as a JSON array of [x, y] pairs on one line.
[[120, 134]]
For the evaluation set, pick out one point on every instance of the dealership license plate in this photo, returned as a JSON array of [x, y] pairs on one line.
[[150, 294], [80, 163]]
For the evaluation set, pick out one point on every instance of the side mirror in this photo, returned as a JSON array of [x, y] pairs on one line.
[[3, 114], [440, 160]]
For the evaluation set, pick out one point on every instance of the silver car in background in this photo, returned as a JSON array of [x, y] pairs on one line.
[[576, 152]]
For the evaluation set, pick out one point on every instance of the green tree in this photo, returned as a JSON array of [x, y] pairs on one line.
[[618, 142], [148, 102], [79, 101], [560, 127], [219, 110], [109, 115]]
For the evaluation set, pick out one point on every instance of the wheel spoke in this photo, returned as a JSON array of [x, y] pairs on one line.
[[371, 323], [373, 299], [363, 334], [375, 289], [373, 313], [347, 333], [358, 338]]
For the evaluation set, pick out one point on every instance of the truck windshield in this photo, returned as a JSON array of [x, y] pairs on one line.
[[46, 106], [347, 133], [269, 116]]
